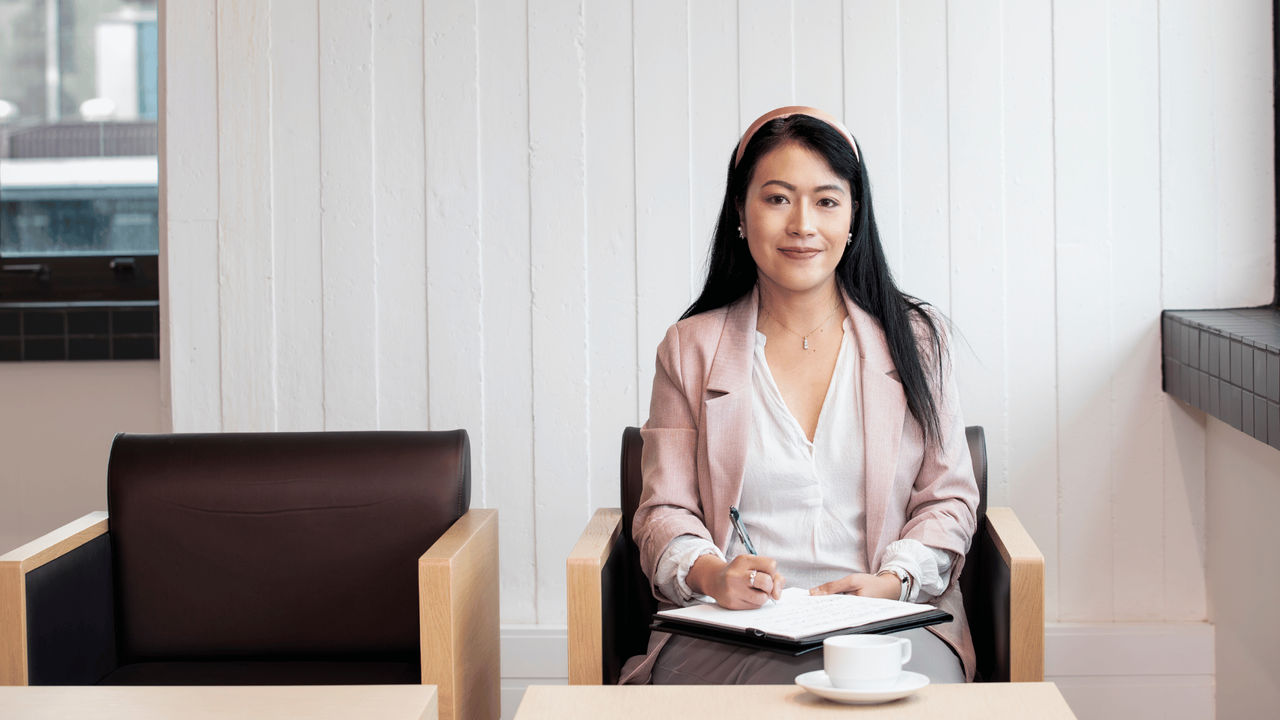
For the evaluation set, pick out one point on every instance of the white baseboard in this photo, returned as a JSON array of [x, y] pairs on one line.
[[531, 655], [1132, 670], [535, 652], [1105, 670]]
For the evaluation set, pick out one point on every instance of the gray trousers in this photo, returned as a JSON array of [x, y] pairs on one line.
[[692, 661]]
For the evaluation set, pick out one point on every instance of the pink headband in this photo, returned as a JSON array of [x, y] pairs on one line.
[[788, 111]]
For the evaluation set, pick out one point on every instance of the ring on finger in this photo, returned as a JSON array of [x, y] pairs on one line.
[[751, 578]]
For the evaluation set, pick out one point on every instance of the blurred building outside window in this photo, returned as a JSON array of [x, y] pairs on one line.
[[78, 141], [79, 201]]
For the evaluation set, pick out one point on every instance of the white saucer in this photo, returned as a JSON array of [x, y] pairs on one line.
[[819, 684]]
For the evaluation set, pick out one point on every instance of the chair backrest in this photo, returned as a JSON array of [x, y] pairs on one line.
[[978, 452], [628, 632], [978, 455], [289, 545], [633, 625]]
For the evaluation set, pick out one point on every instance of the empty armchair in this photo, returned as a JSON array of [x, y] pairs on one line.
[[267, 558], [610, 603]]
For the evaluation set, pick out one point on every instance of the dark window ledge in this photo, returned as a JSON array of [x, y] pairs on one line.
[[1226, 363], [104, 330]]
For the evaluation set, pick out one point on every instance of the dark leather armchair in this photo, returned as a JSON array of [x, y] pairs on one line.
[[267, 559], [610, 603]]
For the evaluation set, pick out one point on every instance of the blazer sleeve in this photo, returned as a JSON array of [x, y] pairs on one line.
[[942, 508], [669, 503]]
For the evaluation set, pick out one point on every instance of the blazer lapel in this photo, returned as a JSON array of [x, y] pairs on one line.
[[883, 410], [727, 413]]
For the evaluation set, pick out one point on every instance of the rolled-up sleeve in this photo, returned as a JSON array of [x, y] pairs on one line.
[[673, 567], [929, 568]]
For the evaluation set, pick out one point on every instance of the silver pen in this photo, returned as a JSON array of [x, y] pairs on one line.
[[742, 531]]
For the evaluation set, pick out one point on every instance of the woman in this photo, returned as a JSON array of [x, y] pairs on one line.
[[805, 389]]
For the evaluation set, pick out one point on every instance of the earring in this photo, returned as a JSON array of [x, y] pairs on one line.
[[741, 235], [849, 241]]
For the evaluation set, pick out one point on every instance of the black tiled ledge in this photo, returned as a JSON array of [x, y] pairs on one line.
[[1226, 363], [121, 330]]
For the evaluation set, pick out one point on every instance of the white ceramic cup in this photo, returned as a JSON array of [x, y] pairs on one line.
[[864, 662]]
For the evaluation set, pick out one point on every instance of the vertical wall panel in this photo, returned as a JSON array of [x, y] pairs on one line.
[[1187, 194], [456, 349], [715, 128], [1244, 144], [1134, 349], [295, 218], [399, 215], [1032, 459], [1183, 510], [558, 216], [663, 207], [190, 73], [818, 54], [189, 241], [1188, 224], [1084, 300], [979, 306], [872, 109], [195, 374], [766, 57], [245, 260], [923, 262], [611, 249], [508, 359], [347, 225]]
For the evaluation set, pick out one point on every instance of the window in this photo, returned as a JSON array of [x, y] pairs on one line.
[[79, 205]]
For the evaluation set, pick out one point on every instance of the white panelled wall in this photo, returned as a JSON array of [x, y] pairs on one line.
[[484, 214]]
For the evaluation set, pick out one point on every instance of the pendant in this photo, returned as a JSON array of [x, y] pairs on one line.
[[806, 342]]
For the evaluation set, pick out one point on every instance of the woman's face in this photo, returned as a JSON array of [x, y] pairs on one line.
[[796, 217]]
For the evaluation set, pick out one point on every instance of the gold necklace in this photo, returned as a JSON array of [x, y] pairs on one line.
[[805, 337]]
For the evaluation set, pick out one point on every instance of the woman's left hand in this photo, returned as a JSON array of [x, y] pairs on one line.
[[886, 586]]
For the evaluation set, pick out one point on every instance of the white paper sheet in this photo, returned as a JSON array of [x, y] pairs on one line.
[[799, 614]]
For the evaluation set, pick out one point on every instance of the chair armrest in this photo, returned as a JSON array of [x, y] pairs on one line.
[[458, 615], [14, 566], [584, 585], [1026, 594]]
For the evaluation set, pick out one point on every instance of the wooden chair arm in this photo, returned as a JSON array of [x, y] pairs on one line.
[[458, 615], [1026, 594], [582, 576], [14, 566]]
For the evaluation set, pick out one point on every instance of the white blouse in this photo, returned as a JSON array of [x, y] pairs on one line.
[[801, 500]]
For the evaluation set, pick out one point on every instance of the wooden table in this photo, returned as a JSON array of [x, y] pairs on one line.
[[982, 701], [321, 702]]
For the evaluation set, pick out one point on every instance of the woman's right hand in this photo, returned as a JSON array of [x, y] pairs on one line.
[[732, 584]]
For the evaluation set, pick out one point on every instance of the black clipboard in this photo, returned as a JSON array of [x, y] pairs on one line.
[[753, 638]]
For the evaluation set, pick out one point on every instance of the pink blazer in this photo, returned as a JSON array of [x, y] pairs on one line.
[[695, 445]]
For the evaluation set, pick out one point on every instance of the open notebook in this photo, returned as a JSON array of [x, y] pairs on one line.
[[797, 623]]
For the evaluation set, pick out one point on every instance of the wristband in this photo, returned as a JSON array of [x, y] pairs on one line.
[[904, 577]]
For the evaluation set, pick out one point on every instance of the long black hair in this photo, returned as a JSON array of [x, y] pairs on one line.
[[862, 273]]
